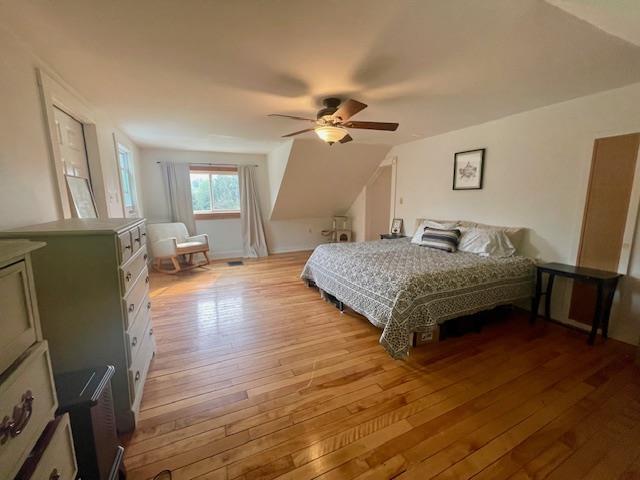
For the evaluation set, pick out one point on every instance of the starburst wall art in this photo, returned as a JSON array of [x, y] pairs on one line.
[[468, 167]]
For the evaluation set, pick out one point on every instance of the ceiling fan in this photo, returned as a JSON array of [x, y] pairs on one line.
[[332, 121]]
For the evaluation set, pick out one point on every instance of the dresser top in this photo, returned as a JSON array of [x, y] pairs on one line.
[[75, 226], [10, 249]]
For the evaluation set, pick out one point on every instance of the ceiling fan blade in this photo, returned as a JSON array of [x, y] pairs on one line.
[[298, 132], [291, 117], [346, 138], [348, 109], [391, 127]]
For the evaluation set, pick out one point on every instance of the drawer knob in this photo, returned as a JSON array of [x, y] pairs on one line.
[[132, 307], [12, 427], [144, 234], [146, 280], [145, 256], [128, 276], [128, 247], [137, 375], [150, 331], [134, 342], [54, 475], [148, 305], [137, 239]]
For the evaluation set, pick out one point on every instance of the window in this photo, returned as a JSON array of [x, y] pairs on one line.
[[127, 182], [215, 192]]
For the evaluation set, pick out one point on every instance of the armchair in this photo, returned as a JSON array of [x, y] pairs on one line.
[[170, 241]]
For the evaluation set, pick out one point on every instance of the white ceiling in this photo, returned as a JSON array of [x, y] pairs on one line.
[[203, 75], [617, 17]]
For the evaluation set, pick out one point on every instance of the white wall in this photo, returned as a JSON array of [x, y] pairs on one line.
[[277, 160], [28, 188], [536, 171], [357, 214], [224, 234]]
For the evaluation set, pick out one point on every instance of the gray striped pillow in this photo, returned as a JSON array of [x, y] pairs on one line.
[[441, 239]]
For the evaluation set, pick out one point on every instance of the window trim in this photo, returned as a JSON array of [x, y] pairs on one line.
[[134, 211], [219, 214]]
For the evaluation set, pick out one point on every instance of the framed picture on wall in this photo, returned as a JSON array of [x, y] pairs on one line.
[[468, 169], [82, 202]]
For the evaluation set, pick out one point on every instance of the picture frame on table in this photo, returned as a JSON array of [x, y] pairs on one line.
[[396, 226]]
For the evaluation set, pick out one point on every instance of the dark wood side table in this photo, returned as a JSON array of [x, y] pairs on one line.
[[391, 236], [606, 284]]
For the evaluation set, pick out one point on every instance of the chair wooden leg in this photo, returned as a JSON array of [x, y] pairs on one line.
[[176, 264], [206, 258]]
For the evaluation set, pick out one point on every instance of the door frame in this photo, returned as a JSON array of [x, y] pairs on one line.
[[56, 95], [628, 237]]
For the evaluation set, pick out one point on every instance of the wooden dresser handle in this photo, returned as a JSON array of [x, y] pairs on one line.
[[132, 307], [54, 475]]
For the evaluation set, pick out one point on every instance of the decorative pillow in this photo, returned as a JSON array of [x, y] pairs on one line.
[[514, 234], [417, 236], [441, 239], [486, 242]]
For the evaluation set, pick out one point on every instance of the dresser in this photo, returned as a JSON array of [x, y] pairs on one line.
[[33, 444], [93, 291]]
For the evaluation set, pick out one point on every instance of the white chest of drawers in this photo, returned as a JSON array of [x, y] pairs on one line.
[[93, 292], [27, 393]]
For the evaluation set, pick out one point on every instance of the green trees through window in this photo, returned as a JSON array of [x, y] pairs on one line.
[[215, 192]]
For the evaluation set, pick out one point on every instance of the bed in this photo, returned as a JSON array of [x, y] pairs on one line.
[[404, 288]]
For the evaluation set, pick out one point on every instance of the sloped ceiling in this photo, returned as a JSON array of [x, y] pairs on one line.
[[203, 75], [617, 17], [321, 181]]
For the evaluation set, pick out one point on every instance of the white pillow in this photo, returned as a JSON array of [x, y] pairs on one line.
[[417, 236], [485, 242]]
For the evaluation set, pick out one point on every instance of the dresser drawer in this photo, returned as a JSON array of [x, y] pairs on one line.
[[142, 228], [131, 270], [28, 399], [16, 314], [140, 366], [136, 298], [53, 456], [136, 241], [124, 243], [136, 333]]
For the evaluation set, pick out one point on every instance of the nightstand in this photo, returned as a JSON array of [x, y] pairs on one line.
[[606, 283], [391, 236]]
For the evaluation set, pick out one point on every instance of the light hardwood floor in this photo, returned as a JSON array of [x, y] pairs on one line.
[[257, 377]]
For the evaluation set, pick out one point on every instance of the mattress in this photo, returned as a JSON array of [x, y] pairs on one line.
[[403, 288]]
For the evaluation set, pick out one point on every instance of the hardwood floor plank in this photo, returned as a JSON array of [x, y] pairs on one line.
[[256, 377]]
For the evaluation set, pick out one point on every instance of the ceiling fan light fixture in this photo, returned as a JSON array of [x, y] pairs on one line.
[[331, 134]]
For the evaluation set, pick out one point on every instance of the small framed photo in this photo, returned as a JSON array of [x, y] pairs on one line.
[[468, 169], [396, 226]]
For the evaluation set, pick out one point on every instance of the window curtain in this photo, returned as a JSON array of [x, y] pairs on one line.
[[254, 243], [177, 184]]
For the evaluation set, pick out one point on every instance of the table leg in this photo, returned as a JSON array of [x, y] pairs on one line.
[[535, 300], [547, 297], [597, 316], [607, 309]]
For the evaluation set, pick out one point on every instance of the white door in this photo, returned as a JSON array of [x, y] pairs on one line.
[[73, 152]]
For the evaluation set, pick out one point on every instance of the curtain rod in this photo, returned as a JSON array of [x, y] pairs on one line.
[[222, 164]]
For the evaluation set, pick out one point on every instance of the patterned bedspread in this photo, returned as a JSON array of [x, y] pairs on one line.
[[404, 288]]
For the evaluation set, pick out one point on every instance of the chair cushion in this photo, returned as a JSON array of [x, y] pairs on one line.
[[162, 231]]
